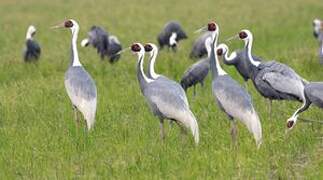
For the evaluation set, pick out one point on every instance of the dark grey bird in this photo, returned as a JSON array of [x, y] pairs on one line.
[[313, 95], [239, 59], [106, 45], [230, 96], [32, 49], [273, 80], [199, 50], [197, 72], [170, 35], [163, 99], [318, 34], [79, 85]]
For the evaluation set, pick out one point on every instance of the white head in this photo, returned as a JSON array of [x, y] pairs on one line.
[[172, 39], [30, 32], [222, 49], [245, 35], [151, 48], [137, 49], [317, 27], [291, 122], [70, 24]]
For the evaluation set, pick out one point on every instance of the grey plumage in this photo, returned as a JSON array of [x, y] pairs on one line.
[[199, 50], [195, 74], [106, 45], [164, 36], [164, 100], [32, 50], [230, 96]]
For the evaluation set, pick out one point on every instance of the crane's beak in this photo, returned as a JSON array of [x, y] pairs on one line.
[[60, 25], [232, 38], [202, 29], [123, 50]]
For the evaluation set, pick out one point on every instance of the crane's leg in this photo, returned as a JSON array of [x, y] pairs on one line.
[[234, 132], [270, 108], [162, 131], [76, 117], [183, 130], [246, 85], [194, 93]]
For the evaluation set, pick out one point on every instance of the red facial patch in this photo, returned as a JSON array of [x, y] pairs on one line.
[[290, 124], [135, 47], [148, 48], [243, 35], [68, 24], [211, 26], [219, 52]]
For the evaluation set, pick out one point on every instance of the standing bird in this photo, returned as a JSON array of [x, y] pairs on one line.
[[318, 33], [163, 99], [313, 95], [239, 59], [171, 34], [106, 45], [32, 49], [79, 85], [273, 80], [229, 95], [199, 50], [197, 72]]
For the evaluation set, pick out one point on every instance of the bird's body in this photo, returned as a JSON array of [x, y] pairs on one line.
[[106, 45], [32, 49], [199, 50], [195, 74], [277, 81], [164, 100], [170, 35], [230, 96], [79, 85]]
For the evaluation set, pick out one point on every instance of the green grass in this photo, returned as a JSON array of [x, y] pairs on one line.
[[39, 139]]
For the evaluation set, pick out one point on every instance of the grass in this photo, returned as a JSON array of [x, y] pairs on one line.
[[39, 139]]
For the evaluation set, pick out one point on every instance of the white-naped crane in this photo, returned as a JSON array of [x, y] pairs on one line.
[[170, 35], [79, 85], [32, 49]]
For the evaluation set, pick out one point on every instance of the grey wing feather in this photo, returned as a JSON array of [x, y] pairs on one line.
[[199, 49], [195, 73]]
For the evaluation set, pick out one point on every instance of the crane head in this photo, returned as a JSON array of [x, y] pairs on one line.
[[221, 49], [69, 23], [317, 27], [291, 123], [212, 26]]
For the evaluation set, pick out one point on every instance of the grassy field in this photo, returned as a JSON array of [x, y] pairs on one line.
[[39, 139]]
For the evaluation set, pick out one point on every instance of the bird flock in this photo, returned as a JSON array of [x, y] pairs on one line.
[[167, 98]]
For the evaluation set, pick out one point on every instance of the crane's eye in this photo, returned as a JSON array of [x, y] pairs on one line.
[[219, 52], [135, 48], [211, 26], [68, 24], [148, 48], [243, 35]]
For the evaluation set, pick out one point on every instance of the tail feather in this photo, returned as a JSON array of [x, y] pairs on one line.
[[254, 126], [191, 123]]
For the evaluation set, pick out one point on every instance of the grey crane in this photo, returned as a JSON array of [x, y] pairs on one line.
[[32, 49], [313, 95], [318, 33], [199, 50], [164, 101], [197, 72], [239, 59], [170, 35], [273, 80], [79, 85], [230, 96], [106, 45]]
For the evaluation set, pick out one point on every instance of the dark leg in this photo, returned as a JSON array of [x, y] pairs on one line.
[[270, 108], [183, 130], [234, 132], [246, 85], [194, 90], [76, 117], [162, 132]]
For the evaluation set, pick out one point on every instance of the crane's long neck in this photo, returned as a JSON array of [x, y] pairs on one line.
[[321, 47], [29, 36], [214, 61], [303, 108], [151, 70], [75, 61], [142, 78], [248, 45], [230, 59]]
